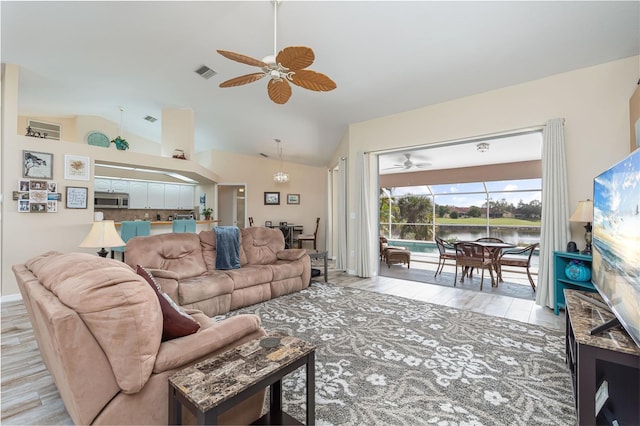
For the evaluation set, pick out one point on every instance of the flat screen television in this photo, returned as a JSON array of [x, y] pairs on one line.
[[616, 241]]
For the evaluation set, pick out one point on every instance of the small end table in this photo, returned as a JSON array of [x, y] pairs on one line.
[[211, 387], [320, 255]]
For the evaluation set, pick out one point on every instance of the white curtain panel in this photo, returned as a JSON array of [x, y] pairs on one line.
[[363, 220], [328, 234], [341, 255], [554, 231]]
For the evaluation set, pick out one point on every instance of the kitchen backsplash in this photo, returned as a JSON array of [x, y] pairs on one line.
[[120, 215]]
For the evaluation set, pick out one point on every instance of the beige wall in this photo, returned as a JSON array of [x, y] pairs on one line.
[[594, 102], [257, 174]]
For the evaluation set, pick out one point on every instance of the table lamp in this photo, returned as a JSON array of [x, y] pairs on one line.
[[584, 213], [102, 234]]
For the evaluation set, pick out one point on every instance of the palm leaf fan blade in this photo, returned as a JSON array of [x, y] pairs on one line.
[[243, 59], [295, 57], [279, 91], [313, 81], [243, 79]]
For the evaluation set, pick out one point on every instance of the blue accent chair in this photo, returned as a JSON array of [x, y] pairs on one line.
[[130, 229], [184, 225]]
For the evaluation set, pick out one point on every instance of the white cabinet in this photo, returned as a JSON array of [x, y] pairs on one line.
[[155, 195], [187, 195], [179, 197], [138, 195], [146, 195], [111, 185]]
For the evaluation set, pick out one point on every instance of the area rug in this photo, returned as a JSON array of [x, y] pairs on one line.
[[415, 273], [386, 360]]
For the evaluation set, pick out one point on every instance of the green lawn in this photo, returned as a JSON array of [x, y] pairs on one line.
[[483, 221]]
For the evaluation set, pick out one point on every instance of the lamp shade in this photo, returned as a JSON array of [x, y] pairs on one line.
[[102, 234], [584, 212]]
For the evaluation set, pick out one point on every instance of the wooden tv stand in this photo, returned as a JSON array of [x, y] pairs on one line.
[[608, 360]]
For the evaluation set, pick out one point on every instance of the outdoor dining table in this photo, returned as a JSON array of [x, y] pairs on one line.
[[495, 248]]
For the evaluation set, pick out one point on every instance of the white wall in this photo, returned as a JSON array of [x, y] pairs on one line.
[[594, 102]]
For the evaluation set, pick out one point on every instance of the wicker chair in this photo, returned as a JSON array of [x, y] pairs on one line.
[[472, 255], [520, 258], [447, 252]]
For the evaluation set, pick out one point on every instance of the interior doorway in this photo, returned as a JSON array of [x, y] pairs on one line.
[[232, 205]]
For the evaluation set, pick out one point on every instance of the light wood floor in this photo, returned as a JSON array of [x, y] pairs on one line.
[[29, 397]]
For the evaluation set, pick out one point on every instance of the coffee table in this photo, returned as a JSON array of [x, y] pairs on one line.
[[212, 386]]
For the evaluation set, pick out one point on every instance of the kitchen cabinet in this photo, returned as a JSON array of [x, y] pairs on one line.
[[146, 195], [179, 197], [111, 185]]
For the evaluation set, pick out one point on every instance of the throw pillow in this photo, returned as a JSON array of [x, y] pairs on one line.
[[176, 322]]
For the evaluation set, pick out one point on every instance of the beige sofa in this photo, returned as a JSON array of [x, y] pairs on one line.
[[184, 266], [99, 325]]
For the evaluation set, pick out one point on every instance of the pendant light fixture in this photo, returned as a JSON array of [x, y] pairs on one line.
[[120, 142], [280, 176]]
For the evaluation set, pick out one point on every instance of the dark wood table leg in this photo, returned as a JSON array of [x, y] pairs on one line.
[[275, 405], [311, 388], [325, 267], [175, 408]]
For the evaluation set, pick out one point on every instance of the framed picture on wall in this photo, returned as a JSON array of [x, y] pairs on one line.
[[293, 198], [37, 165], [76, 167], [76, 197], [271, 198]]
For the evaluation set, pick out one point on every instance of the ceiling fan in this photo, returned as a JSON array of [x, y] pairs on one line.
[[408, 164], [287, 66]]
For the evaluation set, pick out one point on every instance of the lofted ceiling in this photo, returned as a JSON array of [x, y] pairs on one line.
[[90, 58]]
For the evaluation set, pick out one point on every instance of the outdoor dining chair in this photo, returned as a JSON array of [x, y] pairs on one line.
[[520, 258], [472, 255], [447, 252]]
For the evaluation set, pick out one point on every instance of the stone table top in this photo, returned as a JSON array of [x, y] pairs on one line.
[[585, 316], [221, 377]]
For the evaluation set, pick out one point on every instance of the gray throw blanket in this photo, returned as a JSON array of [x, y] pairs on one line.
[[227, 247]]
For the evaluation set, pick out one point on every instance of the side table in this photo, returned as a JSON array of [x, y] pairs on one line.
[[214, 385], [320, 255]]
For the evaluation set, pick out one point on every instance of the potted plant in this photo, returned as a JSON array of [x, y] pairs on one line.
[[207, 213]]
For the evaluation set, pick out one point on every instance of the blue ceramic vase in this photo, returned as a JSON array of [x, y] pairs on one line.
[[577, 271]]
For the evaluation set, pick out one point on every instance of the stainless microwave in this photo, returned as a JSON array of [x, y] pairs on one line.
[[111, 200]]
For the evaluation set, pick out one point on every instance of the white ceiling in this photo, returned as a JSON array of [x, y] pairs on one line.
[[90, 58]]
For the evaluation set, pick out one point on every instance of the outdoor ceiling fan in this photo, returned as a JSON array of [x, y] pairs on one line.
[[408, 164], [287, 66]]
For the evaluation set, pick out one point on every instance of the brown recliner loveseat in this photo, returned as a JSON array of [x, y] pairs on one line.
[[184, 264], [99, 328]]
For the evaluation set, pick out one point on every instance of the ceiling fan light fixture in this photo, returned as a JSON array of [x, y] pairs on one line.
[[482, 147]]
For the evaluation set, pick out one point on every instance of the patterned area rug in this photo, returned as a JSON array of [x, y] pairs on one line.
[[386, 360]]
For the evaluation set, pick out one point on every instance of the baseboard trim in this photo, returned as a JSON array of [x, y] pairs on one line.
[[11, 298]]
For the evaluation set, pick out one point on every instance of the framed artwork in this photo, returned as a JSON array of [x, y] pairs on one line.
[[293, 198], [272, 198], [52, 206], [23, 185], [37, 165], [76, 167], [38, 207], [23, 206], [76, 197]]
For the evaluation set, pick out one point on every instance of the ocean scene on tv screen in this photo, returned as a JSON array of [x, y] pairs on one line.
[[616, 240]]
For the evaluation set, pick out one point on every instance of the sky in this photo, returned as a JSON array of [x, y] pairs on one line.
[[474, 194]]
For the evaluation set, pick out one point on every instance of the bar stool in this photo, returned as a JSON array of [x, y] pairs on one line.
[[184, 225], [130, 229]]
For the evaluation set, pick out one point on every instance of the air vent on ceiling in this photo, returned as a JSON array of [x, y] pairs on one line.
[[205, 72], [262, 154], [151, 119], [45, 130]]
